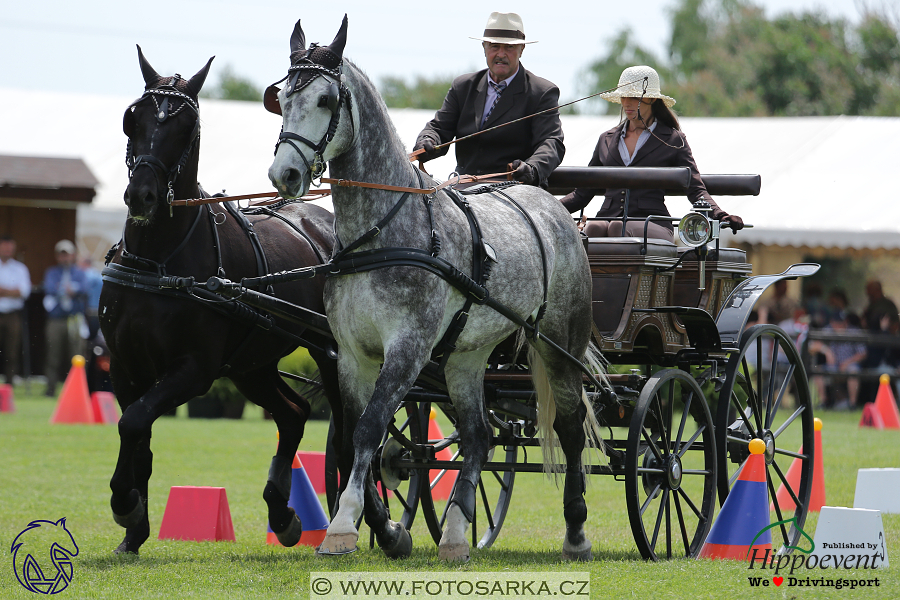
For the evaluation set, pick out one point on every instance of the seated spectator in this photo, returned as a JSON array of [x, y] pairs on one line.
[[842, 358]]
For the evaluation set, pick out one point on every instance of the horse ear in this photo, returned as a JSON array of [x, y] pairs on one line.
[[151, 77], [196, 82], [340, 40], [298, 39]]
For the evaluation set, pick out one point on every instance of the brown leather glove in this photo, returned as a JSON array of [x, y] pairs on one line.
[[523, 172]]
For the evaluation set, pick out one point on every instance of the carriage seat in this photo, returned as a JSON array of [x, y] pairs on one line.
[[728, 255], [630, 246]]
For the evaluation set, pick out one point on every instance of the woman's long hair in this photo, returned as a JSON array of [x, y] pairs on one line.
[[661, 113]]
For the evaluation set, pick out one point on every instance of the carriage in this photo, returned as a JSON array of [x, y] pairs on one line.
[[690, 382]]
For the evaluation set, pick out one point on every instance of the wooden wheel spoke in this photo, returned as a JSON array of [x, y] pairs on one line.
[[487, 505], [687, 445], [681, 426], [650, 497], [691, 504], [789, 420], [659, 517], [786, 485], [684, 534]]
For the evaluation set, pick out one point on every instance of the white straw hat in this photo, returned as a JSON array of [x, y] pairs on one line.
[[637, 82], [504, 28]]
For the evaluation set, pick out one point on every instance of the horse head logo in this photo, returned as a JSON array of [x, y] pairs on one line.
[[42, 556]]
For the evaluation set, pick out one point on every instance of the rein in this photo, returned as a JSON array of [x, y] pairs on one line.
[[317, 194]]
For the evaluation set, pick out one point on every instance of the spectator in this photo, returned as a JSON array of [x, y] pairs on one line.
[[842, 357], [780, 307], [15, 287], [94, 284], [879, 317], [64, 300]]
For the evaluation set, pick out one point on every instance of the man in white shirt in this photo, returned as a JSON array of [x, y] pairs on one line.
[[15, 287]]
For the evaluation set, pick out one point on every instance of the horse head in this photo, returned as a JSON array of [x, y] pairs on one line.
[[311, 104], [163, 129]]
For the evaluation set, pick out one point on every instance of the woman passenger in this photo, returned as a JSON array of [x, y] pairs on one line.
[[648, 135]]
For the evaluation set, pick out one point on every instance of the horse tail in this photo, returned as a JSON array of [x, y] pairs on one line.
[[546, 409]]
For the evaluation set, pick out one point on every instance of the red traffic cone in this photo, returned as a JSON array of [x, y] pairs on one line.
[[871, 417], [105, 409], [7, 398], [817, 495], [886, 405], [74, 405], [307, 506], [744, 514], [197, 513], [441, 485]]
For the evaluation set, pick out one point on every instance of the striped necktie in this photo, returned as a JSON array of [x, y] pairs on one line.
[[498, 87]]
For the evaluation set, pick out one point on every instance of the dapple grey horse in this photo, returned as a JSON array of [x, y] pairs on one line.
[[387, 321]]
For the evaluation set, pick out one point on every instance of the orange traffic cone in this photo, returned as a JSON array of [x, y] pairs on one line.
[[871, 417], [74, 405], [744, 515], [886, 405], [7, 398], [307, 506], [817, 495], [441, 485]]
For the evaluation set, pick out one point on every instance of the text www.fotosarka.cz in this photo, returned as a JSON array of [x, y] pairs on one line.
[[374, 586]]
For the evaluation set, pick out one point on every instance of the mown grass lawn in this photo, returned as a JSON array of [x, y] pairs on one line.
[[53, 471]]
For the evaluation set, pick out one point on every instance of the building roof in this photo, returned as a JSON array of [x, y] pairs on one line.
[[45, 172], [820, 187]]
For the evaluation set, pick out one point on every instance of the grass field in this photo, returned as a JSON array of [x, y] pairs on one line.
[[54, 471]]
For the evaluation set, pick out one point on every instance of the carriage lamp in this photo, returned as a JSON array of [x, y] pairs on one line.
[[695, 229]]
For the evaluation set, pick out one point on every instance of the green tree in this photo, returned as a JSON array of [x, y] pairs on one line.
[[233, 87], [421, 93], [726, 58]]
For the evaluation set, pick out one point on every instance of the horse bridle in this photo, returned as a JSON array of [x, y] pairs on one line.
[[334, 100], [163, 112]]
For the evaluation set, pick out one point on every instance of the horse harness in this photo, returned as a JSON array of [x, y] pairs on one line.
[[318, 61], [152, 276], [161, 99]]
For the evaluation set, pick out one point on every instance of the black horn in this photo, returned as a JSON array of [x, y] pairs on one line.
[[151, 77], [340, 40], [196, 82], [298, 39]]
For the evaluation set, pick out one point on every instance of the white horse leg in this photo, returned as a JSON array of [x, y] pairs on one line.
[[394, 380], [357, 379], [465, 376]]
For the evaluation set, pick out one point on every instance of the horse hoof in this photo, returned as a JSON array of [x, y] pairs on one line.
[[132, 518], [337, 544], [402, 547], [291, 536], [454, 552], [570, 554], [123, 550]]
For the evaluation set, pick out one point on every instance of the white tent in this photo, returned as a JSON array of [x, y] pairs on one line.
[[820, 186]]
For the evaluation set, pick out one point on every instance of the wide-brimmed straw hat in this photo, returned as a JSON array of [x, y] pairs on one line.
[[504, 28], [632, 85]]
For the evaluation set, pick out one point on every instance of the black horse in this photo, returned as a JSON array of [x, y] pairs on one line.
[[170, 340]]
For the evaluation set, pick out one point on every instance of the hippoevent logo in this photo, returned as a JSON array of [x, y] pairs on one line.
[[42, 556], [866, 555]]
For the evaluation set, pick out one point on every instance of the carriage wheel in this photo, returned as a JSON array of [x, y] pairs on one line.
[[492, 495], [404, 432], [773, 404], [670, 467]]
